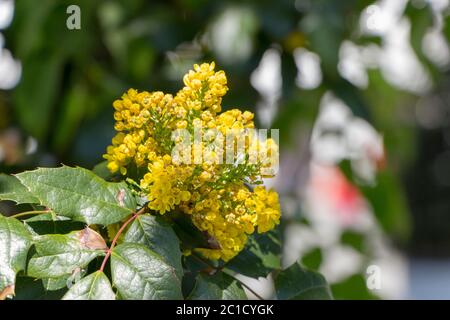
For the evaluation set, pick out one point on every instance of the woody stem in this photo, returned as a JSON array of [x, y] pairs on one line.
[[116, 237]]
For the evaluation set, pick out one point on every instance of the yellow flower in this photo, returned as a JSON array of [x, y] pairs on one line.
[[164, 184], [203, 89], [267, 209], [214, 195]]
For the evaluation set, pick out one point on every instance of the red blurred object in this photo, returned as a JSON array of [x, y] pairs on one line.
[[330, 187]]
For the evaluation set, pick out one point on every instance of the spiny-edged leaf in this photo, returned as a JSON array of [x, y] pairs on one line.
[[11, 189], [53, 284], [158, 236], [296, 283], [261, 255], [141, 274], [93, 287], [219, 286], [79, 194], [59, 255], [14, 244]]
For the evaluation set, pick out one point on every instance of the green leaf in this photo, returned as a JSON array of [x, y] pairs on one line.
[[354, 239], [58, 255], [102, 170], [35, 96], [157, 235], [53, 284], [219, 286], [141, 274], [352, 288], [14, 244], [296, 283], [389, 204], [11, 189], [312, 259], [386, 199], [73, 107], [94, 287], [79, 194], [261, 255], [191, 237]]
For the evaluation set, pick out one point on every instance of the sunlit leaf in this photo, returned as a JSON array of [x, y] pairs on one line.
[[158, 236], [93, 287], [14, 244], [79, 194], [59, 255], [11, 189], [139, 273]]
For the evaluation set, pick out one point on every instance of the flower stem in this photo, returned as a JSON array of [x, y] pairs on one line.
[[116, 237]]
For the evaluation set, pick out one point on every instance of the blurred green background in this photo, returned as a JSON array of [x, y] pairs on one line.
[[385, 61]]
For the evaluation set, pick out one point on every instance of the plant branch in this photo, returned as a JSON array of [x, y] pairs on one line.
[[116, 237]]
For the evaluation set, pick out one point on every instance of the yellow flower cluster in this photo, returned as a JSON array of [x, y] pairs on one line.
[[231, 214], [215, 194]]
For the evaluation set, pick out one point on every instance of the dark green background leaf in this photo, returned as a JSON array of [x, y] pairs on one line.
[[261, 255], [296, 283]]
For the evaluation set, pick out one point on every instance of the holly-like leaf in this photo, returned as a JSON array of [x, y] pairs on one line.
[[261, 255], [141, 274], [11, 189], [158, 236], [14, 244], [219, 286], [296, 283], [93, 287], [53, 284], [79, 194], [58, 255]]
